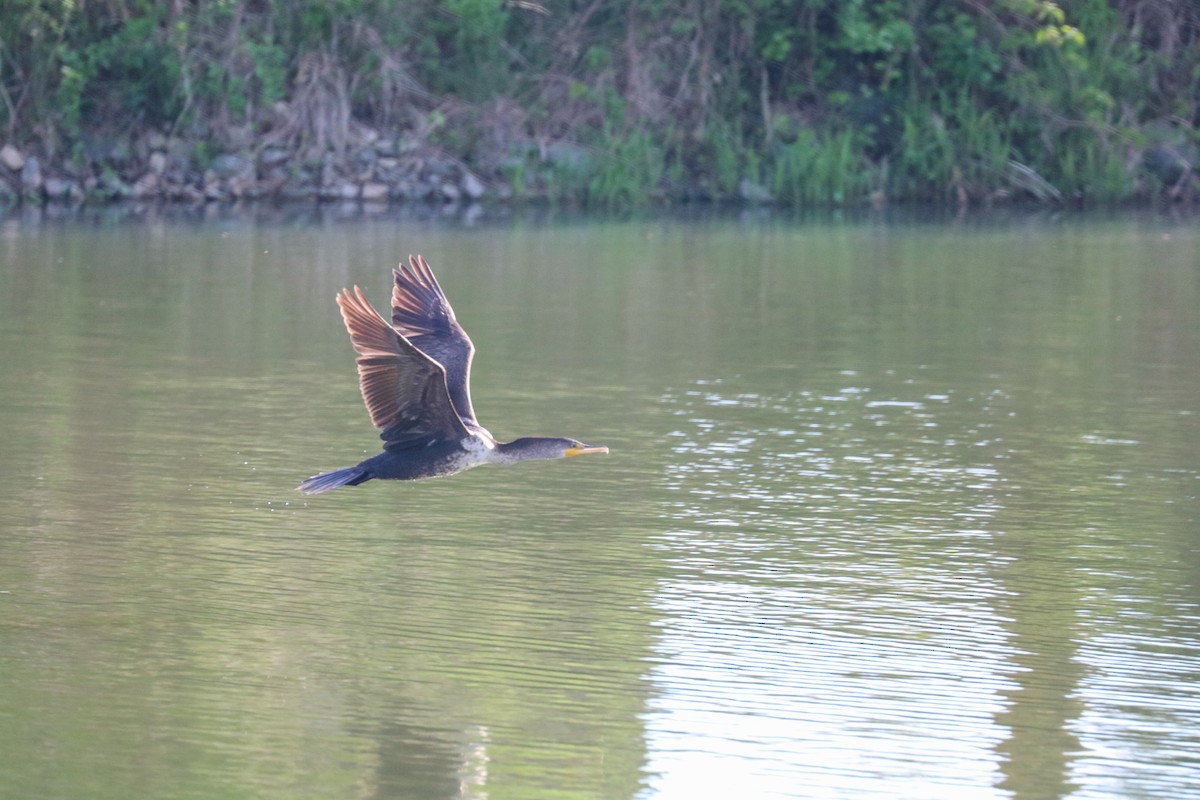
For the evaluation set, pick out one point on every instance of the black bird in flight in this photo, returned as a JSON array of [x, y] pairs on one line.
[[415, 378]]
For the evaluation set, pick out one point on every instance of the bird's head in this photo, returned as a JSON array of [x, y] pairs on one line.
[[532, 447]]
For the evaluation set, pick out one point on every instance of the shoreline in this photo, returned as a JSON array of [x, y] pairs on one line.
[[379, 176], [540, 213]]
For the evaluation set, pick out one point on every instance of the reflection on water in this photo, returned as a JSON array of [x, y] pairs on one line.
[[870, 585], [891, 510], [835, 555]]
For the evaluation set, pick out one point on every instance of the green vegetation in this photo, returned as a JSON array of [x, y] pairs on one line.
[[604, 103]]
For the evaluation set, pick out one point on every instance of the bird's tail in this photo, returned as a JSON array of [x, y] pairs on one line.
[[346, 476]]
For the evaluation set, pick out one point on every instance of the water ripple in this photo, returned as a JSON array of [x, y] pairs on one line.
[[850, 599]]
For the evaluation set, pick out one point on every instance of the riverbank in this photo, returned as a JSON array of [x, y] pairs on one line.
[[387, 170], [153, 166], [600, 105]]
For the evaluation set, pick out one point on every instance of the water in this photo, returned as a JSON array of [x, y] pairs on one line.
[[894, 508]]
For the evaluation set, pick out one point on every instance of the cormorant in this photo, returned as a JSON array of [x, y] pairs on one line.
[[414, 374]]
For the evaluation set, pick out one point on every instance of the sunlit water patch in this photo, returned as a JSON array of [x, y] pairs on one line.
[[849, 605]]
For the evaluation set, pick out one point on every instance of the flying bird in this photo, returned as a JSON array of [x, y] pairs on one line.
[[415, 376]]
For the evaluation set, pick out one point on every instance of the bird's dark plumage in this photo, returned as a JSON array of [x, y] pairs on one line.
[[415, 375], [422, 314]]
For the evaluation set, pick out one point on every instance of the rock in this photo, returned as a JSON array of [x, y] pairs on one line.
[[213, 190], [191, 194], [297, 190], [110, 151], [366, 156], [243, 186], [158, 162], [62, 189], [440, 169], [410, 189], [231, 165], [374, 192], [275, 176], [471, 186], [55, 188], [272, 156], [363, 164], [340, 190], [753, 192], [449, 192], [145, 186], [391, 175], [386, 147], [156, 141], [366, 135], [11, 157], [31, 174], [329, 174]]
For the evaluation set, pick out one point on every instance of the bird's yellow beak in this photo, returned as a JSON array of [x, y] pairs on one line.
[[584, 449]]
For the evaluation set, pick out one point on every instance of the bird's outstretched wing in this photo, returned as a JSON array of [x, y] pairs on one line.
[[422, 314], [404, 390]]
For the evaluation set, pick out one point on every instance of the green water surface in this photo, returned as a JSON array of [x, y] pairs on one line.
[[893, 509]]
